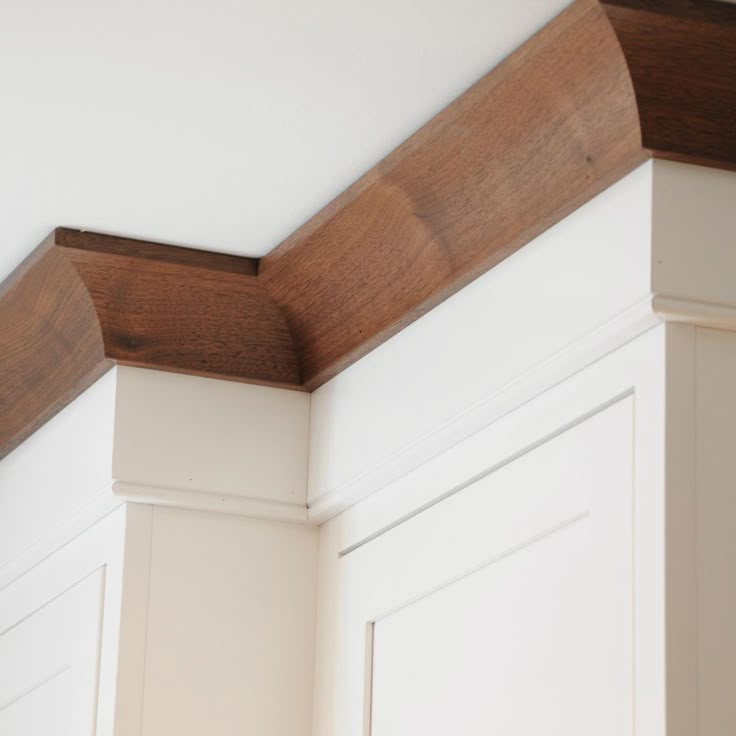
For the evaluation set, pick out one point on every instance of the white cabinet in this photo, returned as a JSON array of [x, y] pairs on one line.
[[507, 607], [49, 685], [229, 645], [133, 608], [158, 621], [59, 629], [520, 516], [513, 584]]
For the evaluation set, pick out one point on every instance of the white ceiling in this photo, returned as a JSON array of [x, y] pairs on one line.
[[217, 123]]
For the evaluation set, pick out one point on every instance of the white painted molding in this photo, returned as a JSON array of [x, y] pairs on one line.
[[689, 311], [57, 482], [202, 500], [568, 283], [204, 435], [88, 515], [693, 239], [657, 246], [629, 324], [625, 327], [156, 438], [591, 347]]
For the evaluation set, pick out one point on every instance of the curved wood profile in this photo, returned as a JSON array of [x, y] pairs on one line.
[[681, 56], [599, 90], [83, 301], [602, 88], [50, 343]]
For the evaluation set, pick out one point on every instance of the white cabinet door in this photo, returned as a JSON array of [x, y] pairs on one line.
[[49, 665], [506, 608], [60, 628]]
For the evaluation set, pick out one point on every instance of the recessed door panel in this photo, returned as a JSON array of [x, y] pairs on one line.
[[50, 662], [506, 608]]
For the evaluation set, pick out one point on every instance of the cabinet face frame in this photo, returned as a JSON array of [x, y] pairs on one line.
[[634, 373]]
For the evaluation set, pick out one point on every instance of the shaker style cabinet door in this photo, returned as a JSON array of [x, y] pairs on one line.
[[507, 607], [50, 661]]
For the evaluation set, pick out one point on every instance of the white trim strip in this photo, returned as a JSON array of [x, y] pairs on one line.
[[199, 500], [89, 514], [704, 314], [626, 326]]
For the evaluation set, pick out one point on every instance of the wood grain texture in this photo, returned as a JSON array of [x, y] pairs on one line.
[[50, 343], [183, 310], [130, 248], [84, 301], [682, 59], [599, 90], [545, 131]]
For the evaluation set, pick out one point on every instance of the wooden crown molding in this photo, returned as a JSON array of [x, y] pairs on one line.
[[599, 90], [83, 301], [595, 93]]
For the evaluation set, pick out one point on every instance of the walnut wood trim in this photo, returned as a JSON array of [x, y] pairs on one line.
[[602, 88], [681, 56], [113, 245], [83, 301]]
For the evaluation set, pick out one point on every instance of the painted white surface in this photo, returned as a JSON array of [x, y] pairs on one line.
[[57, 482], [222, 125], [570, 281], [490, 599], [561, 461], [544, 473], [230, 630], [680, 520], [694, 233], [658, 245], [59, 628], [699, 519], [208, 439], [153, 437], [637, 364], [130, 644], [221, 503], [537, 638], [48, 683], [211, 612], [715, 541]]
